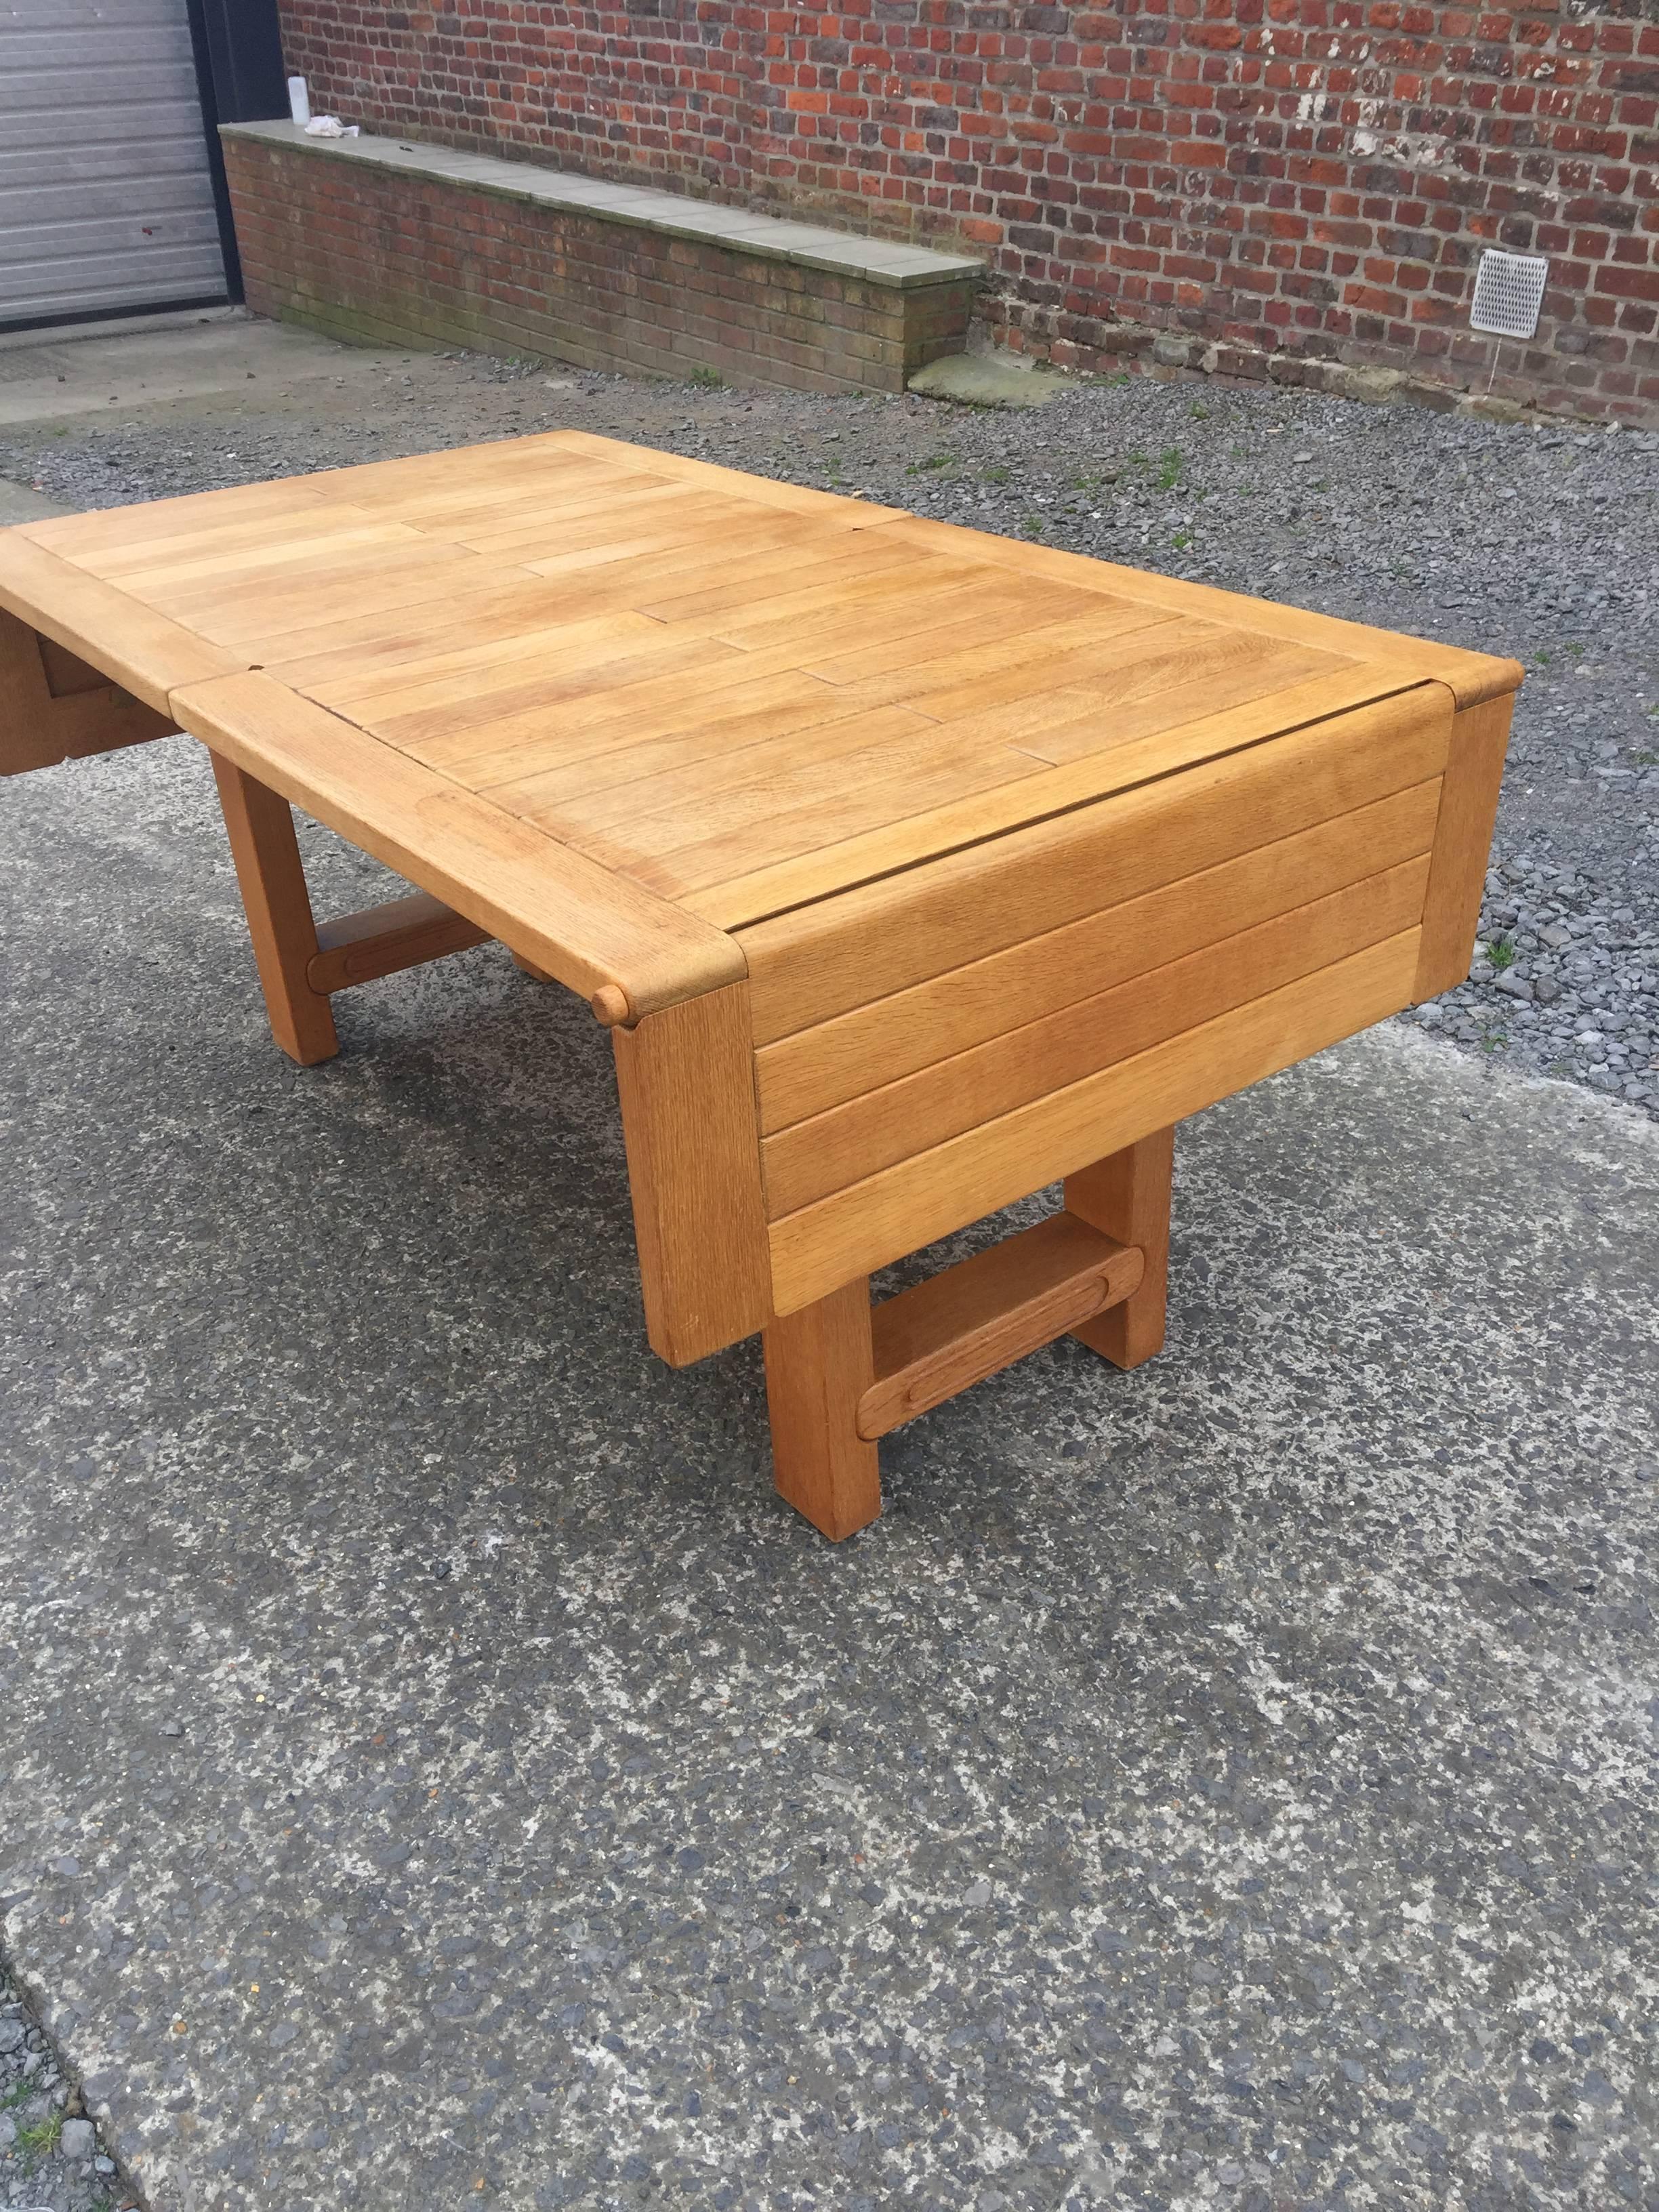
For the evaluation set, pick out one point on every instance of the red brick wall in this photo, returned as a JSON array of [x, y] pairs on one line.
[[1278, 183]]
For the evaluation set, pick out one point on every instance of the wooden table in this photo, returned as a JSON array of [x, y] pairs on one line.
[[913, 869]]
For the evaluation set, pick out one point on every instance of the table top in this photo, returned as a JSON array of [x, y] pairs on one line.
[[620, 705]]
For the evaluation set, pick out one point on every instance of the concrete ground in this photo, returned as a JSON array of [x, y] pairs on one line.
[[436, 1770], [89, 369]]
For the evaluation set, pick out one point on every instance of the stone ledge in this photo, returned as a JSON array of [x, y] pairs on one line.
[[706, 222]]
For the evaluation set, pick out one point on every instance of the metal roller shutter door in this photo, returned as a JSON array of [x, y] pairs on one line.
[[105, 195]]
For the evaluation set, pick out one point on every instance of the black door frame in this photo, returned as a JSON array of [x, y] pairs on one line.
[[238, 47]]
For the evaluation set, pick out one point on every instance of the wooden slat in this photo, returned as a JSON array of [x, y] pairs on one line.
[[773, 837], [969, 1322], [1154, 653], [1003, 612], [508, 465], [764, 491], [656, 813], [502, 604], [77, 537], [813, 1069], [590, 723], [535, 530], [143, 652], [834, 766], [565, 541], [274, 560], [778, 581], [887, 1215], [450, 674], [575, 920], [314, 525], [985, 667], [932, 601], [700, 743], [776, 888], [801, 619], [457, 734], [249, 615], [1471, 677], [1463, 841], [666, 537], [672, 540], [811, 1158], [384, 940], [1255, 681], [688, 1115], [808, 966], [458, 511], [673, 519], [501, 681], [1086, 706]]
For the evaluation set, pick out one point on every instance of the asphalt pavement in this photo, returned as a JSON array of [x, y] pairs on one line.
[[439, 1771]]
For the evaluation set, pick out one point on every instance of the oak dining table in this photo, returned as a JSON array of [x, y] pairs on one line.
[[913, 870]]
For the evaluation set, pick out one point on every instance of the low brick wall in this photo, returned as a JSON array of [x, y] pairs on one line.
[[369, 240]]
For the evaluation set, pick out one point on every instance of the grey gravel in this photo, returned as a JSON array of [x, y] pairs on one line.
[[1540, 542], [1562, 982], [50, 2156]]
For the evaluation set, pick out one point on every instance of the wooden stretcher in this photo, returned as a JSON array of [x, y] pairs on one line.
[[914, 870]]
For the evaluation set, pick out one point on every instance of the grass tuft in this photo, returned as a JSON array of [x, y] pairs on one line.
[[40, 2137]]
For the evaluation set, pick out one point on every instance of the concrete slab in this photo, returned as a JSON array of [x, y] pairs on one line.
[[986, 379], [65, 375], [19, 504], [436, 1770]]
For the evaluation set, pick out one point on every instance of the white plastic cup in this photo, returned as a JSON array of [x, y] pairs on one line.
[[298, 100]]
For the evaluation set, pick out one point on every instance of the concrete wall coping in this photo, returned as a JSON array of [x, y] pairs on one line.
[[739, 230]]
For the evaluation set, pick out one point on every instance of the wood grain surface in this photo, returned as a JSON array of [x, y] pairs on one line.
[[913, 868], [728, 694]]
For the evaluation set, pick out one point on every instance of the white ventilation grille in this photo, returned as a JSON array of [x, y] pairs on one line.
[[1509, 291]]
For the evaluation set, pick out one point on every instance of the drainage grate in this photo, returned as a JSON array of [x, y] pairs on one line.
[[1509, 291]]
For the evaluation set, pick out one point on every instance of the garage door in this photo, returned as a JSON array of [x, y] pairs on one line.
[[106, 198]]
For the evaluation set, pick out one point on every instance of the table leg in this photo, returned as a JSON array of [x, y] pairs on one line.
[[260, 825], [1127, 1196], [840, 1374], [820, 1363], [54, 708]]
